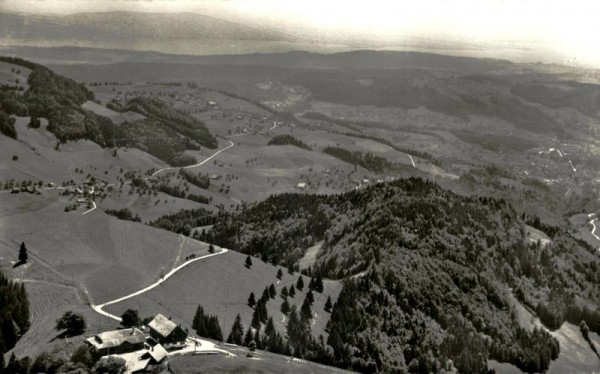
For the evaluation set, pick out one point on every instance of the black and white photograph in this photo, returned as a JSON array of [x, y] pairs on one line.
[[303, 187]]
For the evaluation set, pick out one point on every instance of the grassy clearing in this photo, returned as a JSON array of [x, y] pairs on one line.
[[534, 235], [96, 250], [115, 117], [8, 75], [222, 285], [48, 303], [575, 355], [38, 158], [310, 256]]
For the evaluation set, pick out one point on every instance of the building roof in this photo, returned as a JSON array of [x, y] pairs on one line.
[[138, 365], [110, 339], [158, 353], [162, 325]]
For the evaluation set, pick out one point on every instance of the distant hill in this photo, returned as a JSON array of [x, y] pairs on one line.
[[121, 28], [360, 59]]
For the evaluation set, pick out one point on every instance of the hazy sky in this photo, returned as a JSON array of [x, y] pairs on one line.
[[568, 31]]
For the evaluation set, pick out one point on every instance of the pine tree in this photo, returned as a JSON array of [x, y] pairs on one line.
[[305, 311], [251, 300], [285, 307], [23, 253], [261, 306], [207, 326], [256, 318], [237, 332], [311, 284], [265, 295], [270, 327], [328, 305], [248, 263], [284, 292], [272, 291], [248, 337], [310, 297], [279, 274], [215, 329], [318, 286], [300, 284], [292, 291]]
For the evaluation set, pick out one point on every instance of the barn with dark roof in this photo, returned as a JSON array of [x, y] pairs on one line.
[[165, 331]]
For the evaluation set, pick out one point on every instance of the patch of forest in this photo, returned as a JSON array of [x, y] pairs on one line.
[[184, 221], [193, 130], [367, 160], [427, 274], [288, 140], [166, 133], [358, 133], [56, 98]]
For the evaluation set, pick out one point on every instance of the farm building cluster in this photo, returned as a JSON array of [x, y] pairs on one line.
[[141, 348]]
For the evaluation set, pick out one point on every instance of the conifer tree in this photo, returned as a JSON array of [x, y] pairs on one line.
[[270, 327], [292, 291], [285, 307], [284, 292], [305, 311], [328, 305], [279, 274], [237, 332], [23, 253], [272, 291], [300, 284], [318, 286], [310, 297], [248, 262], [249, 336], [256, 318], [251, 300]]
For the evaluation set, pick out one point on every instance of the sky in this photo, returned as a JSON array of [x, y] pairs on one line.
[[565, 32]]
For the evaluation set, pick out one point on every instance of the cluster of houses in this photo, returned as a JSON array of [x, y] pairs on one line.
[[141, 348]]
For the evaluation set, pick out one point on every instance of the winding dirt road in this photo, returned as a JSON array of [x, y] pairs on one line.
[[98, 308], [231, 144]]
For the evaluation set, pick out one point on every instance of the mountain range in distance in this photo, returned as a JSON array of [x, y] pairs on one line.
[[198, 34]]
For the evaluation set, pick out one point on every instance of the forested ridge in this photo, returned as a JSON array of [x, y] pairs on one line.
[[164, 133], [54, 97], [427, 273], [14, 314]]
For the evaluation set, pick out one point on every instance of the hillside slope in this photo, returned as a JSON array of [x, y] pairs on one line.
[[428, 269]]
